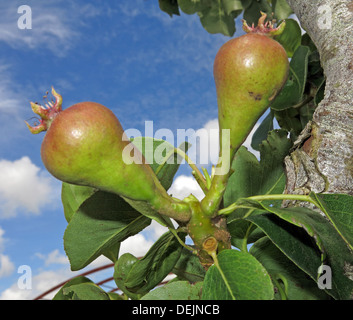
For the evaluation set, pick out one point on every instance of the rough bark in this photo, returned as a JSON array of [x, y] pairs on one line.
[[322, 160]]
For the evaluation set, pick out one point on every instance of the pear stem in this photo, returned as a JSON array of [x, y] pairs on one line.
[[211, 202]]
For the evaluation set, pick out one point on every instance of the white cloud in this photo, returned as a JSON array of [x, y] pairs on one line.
[[25, 188], [205, 143], [53, 27], [137, 245], [6, 265], [10, 102], [49, 30], [38, 284], [2, 239], [54, 257], [14, 107], [183, 186], [155, 230]]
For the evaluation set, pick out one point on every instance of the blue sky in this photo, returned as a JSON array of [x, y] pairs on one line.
[[127, 55]]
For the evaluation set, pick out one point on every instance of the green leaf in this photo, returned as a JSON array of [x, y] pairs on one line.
[[73, 196], [315, 70], [160, 259], [169, 6], [306, 41], [112, 252], [81, 288], [102, 221], [339, 209], [252, 13], [67, 296], [239, 276], [262, 131], [145, 208], [115, 296], [243, 232], [190, 6], [289, 120], [320, 92], [299, 67], [293, 90], [253, 177], [215, 19], [178, 290], [305, 218], [334, 251], [306, 113], [281, 9], [188, 267], [290, 38], [288, 96], [291, 282], [86, 291], [293, 241], [122, 269], [232, 5]]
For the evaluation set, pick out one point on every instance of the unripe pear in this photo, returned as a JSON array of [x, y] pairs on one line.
[[249, 72], [85, 144]]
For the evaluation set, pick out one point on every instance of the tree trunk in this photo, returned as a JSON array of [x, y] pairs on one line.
[[322, 160]]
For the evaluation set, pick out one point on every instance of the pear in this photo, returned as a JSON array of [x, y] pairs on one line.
[[85, 144], [249, 71]]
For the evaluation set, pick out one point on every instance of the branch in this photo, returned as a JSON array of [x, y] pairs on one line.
[[330, 152]]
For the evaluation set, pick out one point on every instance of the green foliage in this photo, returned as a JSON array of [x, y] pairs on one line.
[[339, 209], [289, 280], [178, 290], [253, 177], [290, 38], [122, 269], [99, 225], [330, 249], [237, 276], [169, 6], [188, 267], [217, 16], [72, 197], [148, 272], [81, 288]]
